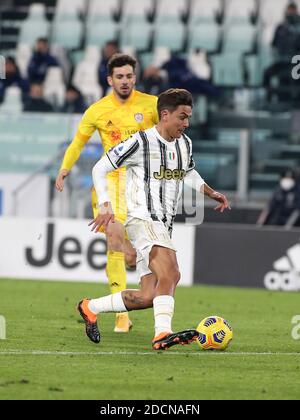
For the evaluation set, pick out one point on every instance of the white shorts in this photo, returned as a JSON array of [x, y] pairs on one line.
[[144, 235]]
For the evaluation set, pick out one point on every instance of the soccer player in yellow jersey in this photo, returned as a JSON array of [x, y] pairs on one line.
[[116, 117]]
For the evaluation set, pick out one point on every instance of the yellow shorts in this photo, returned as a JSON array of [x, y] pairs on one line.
[[117, 195]]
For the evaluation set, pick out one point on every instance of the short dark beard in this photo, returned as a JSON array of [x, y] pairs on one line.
[[124, 97]]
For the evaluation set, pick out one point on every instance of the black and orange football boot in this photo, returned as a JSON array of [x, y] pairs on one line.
[[90, 319], [166, 340]]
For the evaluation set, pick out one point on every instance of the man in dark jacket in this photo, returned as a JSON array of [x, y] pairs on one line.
[[74, 102], [13, 78], [40, 61], [284, 206], [36, 101]]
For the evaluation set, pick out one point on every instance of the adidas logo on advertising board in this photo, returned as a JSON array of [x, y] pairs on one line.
[[287, 274]]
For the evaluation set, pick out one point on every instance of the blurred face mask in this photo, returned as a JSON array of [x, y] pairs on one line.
[[287, 184], [292, 19]]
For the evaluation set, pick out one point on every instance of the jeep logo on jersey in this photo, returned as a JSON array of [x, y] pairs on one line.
[[169, 174], [139, 117], [287, 274]]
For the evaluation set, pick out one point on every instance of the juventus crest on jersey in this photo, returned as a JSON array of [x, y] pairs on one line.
[[156, 170]]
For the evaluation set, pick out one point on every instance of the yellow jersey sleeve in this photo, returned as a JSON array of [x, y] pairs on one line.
[[85, 131]]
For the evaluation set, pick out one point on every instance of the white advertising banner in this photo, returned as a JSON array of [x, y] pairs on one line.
[[66, 250]]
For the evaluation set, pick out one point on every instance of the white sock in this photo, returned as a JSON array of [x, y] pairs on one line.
[[111, 303], [163, 307]]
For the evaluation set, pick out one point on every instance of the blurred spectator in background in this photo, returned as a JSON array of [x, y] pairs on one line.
[[13, 78], [110, 48], [284, 207], [176, 73], [36, 101], [74, 101], [286, 43], [40, 61]]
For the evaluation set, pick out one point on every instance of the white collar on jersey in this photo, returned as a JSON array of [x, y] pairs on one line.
[[156, 133]]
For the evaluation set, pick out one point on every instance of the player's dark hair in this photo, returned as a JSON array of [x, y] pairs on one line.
[[171, 99], [44, 40], [120, 60]]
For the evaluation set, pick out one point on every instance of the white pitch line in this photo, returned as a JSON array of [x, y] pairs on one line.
[[132, 353]]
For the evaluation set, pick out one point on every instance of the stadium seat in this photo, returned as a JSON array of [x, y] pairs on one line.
[[205, 11], [68, 33], [156, 58], [227, 70], [239, 38], [161, 55], [129, 34], [200, 110], [61, 55], [204, 35], [270, 14], [86, 80], [37, 11], [92, 53], [171, 35], [129, 50], [265, 50], [135, 10], [99, 32], [229, 137], [198, 64], [106, 9], [65, 8], [254, 71], [235, 12], [23, 55], [169, 9], [54, 86], [31, 30], [12, 101]]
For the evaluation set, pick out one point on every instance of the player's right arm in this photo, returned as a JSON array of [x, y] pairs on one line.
[[124, 154], [85, 130]]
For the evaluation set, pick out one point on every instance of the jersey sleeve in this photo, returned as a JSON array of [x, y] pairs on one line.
[[127, 153], [194, 180], [85, 130]]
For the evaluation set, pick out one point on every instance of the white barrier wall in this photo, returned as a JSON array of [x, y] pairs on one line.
[[65, 249]]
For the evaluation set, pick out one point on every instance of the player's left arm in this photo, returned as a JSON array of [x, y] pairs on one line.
[[194, 180], [214, 195], [124, 154]]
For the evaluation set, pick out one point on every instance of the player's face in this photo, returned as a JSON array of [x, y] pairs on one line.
[[178, 121], [122, 81]]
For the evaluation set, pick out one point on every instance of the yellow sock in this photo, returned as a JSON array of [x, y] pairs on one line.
[[116, 271]]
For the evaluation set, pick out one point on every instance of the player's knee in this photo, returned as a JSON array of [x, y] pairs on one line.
[[176, 275]]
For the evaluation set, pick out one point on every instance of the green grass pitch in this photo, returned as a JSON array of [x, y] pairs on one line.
[[47, 356]]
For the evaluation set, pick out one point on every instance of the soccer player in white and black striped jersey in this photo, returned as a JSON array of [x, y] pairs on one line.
[[158, 160]]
